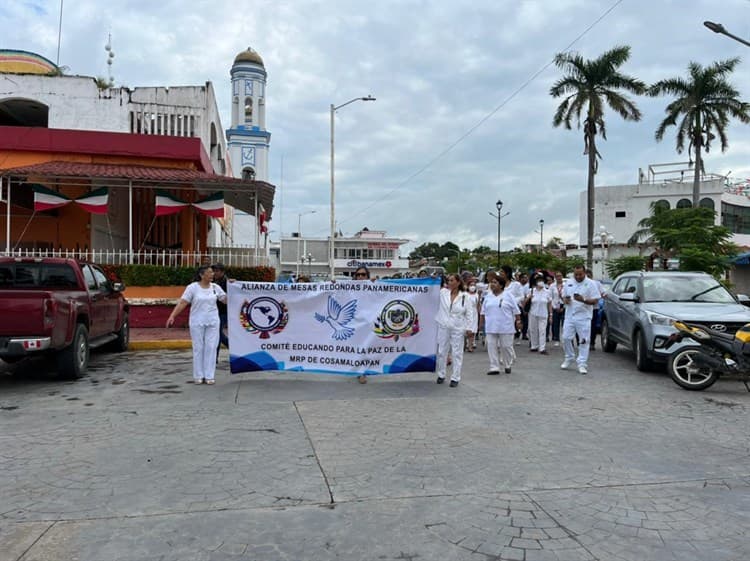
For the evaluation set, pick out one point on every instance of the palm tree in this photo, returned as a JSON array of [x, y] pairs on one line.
[[705, 101], [589, 85]]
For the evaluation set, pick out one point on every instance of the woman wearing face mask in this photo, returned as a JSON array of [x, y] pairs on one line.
[[500, 317], [473, 297], [540, 312]]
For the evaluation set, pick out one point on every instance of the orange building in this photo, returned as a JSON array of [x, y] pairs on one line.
[[134, 168]]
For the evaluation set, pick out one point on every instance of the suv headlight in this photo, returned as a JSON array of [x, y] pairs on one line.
[[658, 319]]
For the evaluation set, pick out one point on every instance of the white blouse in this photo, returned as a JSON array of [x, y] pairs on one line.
[[499, 313], [203, 309], [457, 314]]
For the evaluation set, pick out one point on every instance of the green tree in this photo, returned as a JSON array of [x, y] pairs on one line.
[[590, 85], [691, 235], [704, 102], [616, 267]]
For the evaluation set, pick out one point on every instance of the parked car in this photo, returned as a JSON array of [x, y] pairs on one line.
[[62, 307], [640, 307]]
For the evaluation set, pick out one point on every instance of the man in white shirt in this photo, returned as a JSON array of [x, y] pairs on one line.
[[580, 295]]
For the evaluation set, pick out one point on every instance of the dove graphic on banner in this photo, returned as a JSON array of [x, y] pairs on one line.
[[338, 317]]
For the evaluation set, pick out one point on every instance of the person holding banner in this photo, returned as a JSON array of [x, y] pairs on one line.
[[455, 318], [361, 273], [202, 296], [500, 317]]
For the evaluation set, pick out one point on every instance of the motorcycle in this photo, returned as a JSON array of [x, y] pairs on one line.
[[698, 367]]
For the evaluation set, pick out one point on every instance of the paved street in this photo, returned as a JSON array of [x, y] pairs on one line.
[[134, 462]]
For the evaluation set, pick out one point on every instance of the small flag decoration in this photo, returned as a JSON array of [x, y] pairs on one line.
[[47, 199], [167, 204], [262, 219], [96, 201], [212, 206]]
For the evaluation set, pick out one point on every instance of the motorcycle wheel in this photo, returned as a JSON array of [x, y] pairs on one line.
[[687, 374]]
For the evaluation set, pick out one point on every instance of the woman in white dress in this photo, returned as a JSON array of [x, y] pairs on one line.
[[202, 296]]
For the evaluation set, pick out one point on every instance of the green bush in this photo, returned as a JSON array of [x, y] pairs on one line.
[[157, 275]]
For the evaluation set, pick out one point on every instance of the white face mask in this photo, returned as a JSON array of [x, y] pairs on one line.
[[472, 288], [540, 284]]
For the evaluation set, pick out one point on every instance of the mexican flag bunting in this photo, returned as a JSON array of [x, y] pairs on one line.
[[47, 199], [167, 204], [212, 206], [96, 201], [262, 219]]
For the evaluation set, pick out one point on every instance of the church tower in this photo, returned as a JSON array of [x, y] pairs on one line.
[[247, 139]]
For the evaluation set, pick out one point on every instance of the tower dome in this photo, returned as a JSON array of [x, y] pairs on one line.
[[249, 55]]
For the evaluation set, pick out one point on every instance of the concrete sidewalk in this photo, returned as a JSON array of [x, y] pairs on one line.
[[154, 338]]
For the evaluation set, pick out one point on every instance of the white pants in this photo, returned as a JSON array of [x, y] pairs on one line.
[[500, 347], [205, 339], [571, 328], [538, 331], [453, 340]]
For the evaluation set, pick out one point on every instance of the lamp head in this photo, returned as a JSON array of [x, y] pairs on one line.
[[541, 221], [368, 98], [715, 27], [499, 205]]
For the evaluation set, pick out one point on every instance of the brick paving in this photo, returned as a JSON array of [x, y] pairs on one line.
[[134, 462]]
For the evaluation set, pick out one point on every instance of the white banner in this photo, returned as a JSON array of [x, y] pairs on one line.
[[349, 327]]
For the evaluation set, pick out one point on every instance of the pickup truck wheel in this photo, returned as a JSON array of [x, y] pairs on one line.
[[120, 344], [608, 344], [73, 360]]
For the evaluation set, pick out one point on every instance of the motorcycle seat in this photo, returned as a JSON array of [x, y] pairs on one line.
[[720, 335]]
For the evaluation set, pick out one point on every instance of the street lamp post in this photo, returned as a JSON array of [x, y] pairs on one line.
[[499, 216], [309, 258], [458, 258], [334, 108], [606, 240], [541, 234], [299, 234], [718, 28]]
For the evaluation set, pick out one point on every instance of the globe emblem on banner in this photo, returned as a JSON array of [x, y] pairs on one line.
[[397, 319], [264, 315]]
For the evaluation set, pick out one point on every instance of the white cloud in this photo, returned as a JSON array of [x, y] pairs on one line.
[[437, 70]]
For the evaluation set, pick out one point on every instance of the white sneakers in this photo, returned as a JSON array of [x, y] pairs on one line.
[[582, 370], [566, 364]]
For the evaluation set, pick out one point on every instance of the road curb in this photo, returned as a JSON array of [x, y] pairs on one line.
[[156, 345]]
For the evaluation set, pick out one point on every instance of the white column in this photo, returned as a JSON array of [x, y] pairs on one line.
[[130, 221], [7, 214]]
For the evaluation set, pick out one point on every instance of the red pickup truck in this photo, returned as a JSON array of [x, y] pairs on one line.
[[60, 306]]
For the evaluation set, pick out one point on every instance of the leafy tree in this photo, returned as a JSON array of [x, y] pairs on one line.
[[704, 102], [429, 249], [691, 235], [481, 250], [555, 243], [589, 85], [616, 267]]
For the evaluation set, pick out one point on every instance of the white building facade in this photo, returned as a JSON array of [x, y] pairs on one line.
[[371, 248], [620, 208]]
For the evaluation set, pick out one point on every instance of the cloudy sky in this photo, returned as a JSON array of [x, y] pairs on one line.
[[463, 115]]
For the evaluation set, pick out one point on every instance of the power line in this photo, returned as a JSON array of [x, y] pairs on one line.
[[486, 117]]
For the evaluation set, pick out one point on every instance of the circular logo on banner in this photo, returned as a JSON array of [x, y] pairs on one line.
[[397, 319], [264, 315]]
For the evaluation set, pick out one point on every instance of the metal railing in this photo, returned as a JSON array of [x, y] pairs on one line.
[[230, 257]]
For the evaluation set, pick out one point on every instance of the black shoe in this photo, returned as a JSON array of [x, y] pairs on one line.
[[440, 380], [493, 372], [507, 370], [453, 384]]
